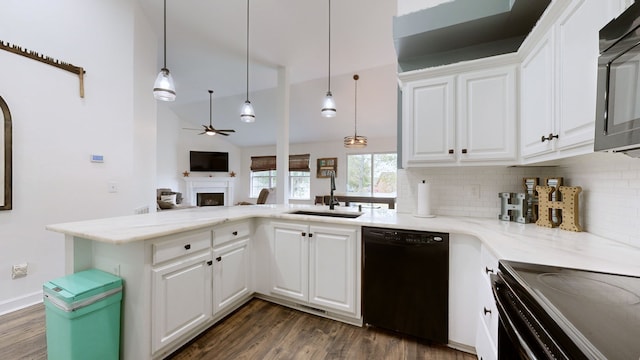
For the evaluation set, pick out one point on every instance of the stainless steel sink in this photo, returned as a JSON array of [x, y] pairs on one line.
[[348, 215]]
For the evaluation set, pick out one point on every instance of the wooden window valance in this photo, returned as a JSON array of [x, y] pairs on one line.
[[265, 163]]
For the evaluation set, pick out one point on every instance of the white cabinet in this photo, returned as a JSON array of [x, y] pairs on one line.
[[181, 286], [487, 115], [428, 120], [317, 265], [464, 115], [558, 86], [231, 274], [487, 312]]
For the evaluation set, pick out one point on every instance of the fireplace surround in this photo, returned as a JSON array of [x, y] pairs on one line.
[[209, 185]]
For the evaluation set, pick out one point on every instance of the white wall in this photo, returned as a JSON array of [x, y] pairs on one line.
[[55, 131]]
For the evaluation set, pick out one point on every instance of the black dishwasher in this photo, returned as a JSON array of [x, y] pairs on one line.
[[406, 282]]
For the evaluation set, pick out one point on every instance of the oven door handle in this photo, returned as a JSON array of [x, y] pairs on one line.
[[507, 321]]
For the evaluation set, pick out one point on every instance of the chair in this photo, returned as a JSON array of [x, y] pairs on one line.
[[262, 197]]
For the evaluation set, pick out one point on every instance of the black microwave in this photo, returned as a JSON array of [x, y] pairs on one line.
[[618, 86]]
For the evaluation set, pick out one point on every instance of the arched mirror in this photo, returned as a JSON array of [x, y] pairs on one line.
[[5, 156]]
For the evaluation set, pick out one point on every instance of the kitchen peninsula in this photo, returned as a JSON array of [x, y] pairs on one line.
[[161, 256]]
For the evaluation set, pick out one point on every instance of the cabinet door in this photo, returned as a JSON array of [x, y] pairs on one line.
[[577, 47], [231, 274], [428, 120], [333, 268], [289, 261], [487, 115], [537, 94], [181, 298]]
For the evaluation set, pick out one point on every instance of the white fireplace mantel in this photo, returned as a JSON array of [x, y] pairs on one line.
[[203, 184]]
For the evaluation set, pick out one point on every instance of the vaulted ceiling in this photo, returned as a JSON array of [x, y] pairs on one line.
[[206, 49]]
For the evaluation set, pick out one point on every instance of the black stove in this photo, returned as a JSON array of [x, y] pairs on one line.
[[549, 312]]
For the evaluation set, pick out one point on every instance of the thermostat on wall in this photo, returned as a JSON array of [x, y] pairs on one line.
[[97, 158]]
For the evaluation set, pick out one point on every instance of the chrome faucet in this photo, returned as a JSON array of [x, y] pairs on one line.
[[332, 200]]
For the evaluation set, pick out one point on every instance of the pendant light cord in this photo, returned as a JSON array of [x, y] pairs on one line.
[[210, 107], [329, 77], [247, 50], [355, 118], [165, 35]]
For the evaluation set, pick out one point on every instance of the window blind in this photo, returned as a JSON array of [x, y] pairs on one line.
[[265, 163]]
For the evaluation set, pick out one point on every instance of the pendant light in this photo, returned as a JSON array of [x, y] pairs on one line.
[[356, 141], [328, 104], [247, 114], [164, 88]]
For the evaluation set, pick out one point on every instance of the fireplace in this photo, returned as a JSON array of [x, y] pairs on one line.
[[210, 185], [210, 199]]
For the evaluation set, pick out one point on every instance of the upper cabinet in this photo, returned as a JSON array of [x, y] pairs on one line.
[[558, 80], [536, 104], [461, 114]]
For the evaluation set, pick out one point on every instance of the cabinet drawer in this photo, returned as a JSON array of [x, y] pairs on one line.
[[488, 262], [180, 245], [232, 231]]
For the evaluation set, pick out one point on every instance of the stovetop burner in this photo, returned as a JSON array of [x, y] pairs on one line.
[[591, 289], [599, 312]]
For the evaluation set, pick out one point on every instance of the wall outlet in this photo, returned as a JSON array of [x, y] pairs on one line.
[[19, 270], [141, 210], [113, 187]]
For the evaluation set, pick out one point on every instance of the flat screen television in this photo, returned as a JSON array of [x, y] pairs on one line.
[[211, 161]]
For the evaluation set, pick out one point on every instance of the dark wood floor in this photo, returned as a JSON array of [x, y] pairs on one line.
[[259, 330]]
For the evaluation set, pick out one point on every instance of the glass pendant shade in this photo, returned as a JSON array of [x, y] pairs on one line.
[[355, 142], [247, 114], [328, 106], [163, 88]]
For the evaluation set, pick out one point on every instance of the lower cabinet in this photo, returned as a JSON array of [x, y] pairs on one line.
[[487, 326], [181, 287], [231, 274], [317, 265]]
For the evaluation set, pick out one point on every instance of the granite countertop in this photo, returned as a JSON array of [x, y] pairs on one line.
[[506, 240]]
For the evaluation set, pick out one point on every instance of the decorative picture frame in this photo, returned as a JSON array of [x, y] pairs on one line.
[[325, 166]]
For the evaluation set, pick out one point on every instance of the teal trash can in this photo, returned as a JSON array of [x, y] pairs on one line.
[[82, 315]]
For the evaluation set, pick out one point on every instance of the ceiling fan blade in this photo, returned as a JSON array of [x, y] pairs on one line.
[[191, 129], [221, 133], [230, 130]]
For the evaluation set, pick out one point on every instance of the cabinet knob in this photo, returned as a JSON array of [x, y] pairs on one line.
[[304, 234], [487, 311], [550, 137], [487, 270], [219, 258], [310, 234], [451, 151], [235, 233], [210, 262], [187, 247], [464, 151]]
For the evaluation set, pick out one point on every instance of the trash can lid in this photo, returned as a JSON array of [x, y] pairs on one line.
[[82, 285]]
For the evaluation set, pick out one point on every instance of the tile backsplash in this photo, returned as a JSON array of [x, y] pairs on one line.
[[609, 202]]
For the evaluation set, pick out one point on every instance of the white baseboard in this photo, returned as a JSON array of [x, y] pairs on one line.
[[21, 302]]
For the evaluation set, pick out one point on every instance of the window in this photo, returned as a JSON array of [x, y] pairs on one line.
[[263, 175], [372, 174], [299, 183]]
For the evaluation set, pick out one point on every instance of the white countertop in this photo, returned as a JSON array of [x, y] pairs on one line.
[[507, 240]]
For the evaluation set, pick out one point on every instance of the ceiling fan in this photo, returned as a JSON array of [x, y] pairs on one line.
[[210, 130]]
